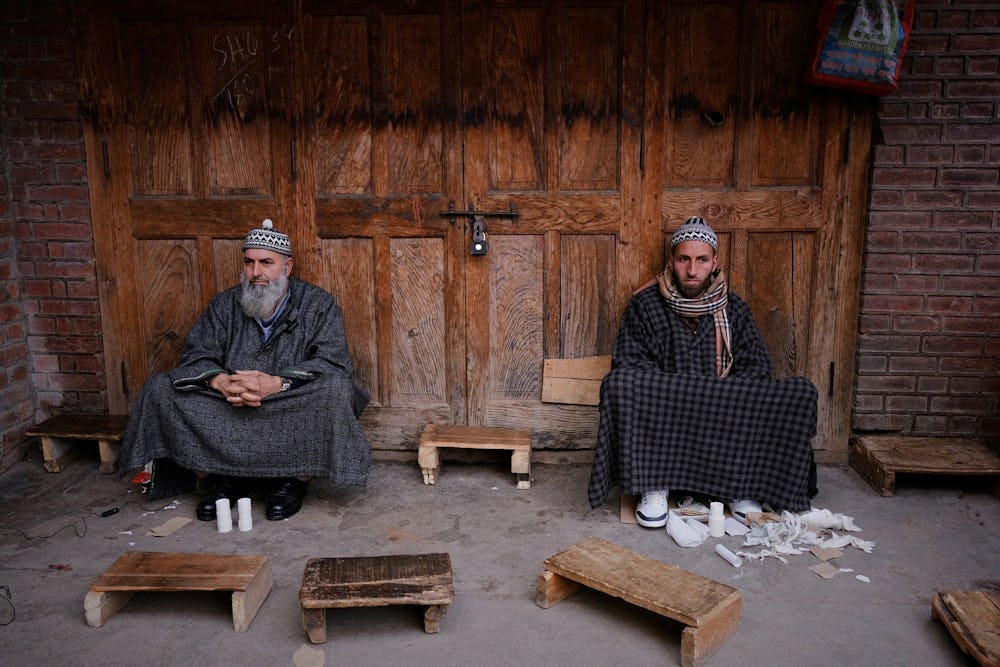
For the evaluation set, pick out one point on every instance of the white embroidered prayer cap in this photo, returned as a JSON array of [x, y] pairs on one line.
[[695, 229], [268, 238]]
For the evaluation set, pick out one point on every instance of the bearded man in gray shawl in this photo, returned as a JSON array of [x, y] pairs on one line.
[[690, 403], [264, 389]]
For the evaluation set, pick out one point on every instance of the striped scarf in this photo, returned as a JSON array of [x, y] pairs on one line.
[[713, 301]]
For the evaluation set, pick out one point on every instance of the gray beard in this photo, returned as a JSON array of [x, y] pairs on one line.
[[261, 300]]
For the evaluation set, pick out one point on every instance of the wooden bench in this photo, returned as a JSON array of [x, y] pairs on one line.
[[61, 435], [436, 436], [973, 619], [248, 577], [375, 581], [879, 458], [710, 609]]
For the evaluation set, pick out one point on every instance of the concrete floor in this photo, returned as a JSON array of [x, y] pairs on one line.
[[933, 534]]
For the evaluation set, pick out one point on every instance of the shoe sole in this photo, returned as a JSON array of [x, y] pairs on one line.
[[651, 523]]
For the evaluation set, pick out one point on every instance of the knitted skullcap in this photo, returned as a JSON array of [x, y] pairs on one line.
[[695, 229], [267, 238]]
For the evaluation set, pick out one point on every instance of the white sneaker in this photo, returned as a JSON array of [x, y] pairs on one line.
[[652, 509]]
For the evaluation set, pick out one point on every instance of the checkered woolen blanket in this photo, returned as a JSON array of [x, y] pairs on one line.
[[732, 438]]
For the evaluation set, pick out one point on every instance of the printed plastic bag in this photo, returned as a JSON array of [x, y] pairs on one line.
[[860, 44]]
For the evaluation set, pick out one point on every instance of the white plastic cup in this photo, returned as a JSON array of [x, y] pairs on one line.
[[223, 515], [245, 520]]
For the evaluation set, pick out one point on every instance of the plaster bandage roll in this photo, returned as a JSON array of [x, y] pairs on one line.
[[245, 518], [223, 515], [730, 557]]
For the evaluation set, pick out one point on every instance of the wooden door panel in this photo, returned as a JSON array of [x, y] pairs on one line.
[[171, 298], [586, 55], [779, 291], [343, 137], [703, 43], [588, 316], [418, 321], [160, 140], [511, 299], [349, 273], [783, 141]]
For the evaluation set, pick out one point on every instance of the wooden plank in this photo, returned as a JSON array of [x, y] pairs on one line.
[[82, 427], [973, 619], [574, 381], [475, 437], [161, 571]]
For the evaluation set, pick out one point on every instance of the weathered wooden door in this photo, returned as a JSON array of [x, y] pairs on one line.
[[355, 125], [489, 108]]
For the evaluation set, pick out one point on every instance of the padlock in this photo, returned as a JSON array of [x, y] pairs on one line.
[[478, 245]]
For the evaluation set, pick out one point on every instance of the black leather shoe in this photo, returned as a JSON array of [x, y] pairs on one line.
[[223, 487], [285, 499]]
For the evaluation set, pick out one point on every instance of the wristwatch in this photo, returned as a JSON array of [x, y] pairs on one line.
[[286, 384]]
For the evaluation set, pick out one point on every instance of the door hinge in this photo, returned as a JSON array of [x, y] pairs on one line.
[[295, 166], [833, 368], [124, 374]]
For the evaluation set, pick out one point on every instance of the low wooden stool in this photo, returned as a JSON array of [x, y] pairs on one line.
[[475, 437], [60, 435], [710, 609], [375, 581], [973, 619], [249, 577], [878, 458]]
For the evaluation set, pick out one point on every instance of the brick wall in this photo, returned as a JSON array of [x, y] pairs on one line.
[[929, 341], [51, 346]]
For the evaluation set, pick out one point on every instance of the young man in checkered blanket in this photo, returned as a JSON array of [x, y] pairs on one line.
[[690, 403]]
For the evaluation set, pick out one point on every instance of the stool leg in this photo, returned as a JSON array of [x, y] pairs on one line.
[[110, 453], [432, 617], [430, 463], [314, 622], [58, 452], [520, 465], [551, 588], [99, 606]]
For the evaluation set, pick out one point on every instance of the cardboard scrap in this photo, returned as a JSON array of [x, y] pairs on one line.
[[170, 526], [825, 570], [825, 553]]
